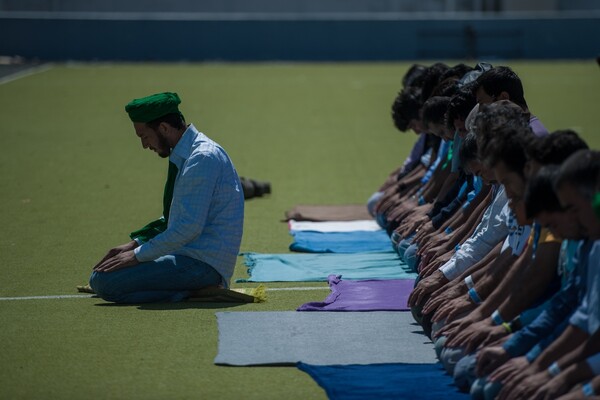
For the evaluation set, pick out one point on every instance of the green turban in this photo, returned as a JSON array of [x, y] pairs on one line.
[[153, 107]]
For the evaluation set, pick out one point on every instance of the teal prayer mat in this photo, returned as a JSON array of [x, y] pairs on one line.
[[340, 242], [312, 267]]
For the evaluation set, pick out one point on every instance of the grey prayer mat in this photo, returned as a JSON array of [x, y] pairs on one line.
[[286, 337]]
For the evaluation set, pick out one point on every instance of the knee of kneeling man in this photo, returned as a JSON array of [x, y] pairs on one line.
[[476, 390], [438, 345], [464, 373], [372, 202], [100, 282], [449, 357], [491, 390], [411, 259], [417, 314]]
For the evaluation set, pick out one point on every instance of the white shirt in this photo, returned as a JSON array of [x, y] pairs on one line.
[[491, 230], [207, 210]]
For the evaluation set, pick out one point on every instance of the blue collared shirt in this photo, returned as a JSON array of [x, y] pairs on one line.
[[207, 210], [560, 308]]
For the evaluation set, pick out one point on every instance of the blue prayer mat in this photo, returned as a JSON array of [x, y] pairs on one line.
[[384, 381], [318, 267], [340, 242]]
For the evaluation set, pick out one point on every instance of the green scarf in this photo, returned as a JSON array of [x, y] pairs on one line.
[[160, 225], [596, 204]]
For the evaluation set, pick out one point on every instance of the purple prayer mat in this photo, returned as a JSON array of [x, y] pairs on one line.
[[368, 295]]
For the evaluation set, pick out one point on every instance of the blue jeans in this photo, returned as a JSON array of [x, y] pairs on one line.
[[372, 202], [404, 244], [166, 279], [411, 258]]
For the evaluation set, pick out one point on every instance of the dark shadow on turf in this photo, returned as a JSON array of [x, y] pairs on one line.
[[173, 306]]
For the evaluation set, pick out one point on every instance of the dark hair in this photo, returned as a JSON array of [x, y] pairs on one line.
[[459, 107], [468, 150], [556, 147], [457, 71], [502, 79], [432, 142], [434, 110], [507, 145], [413, 73], [581, 170], [446, 88], [499, 116], [176, 120], [405, 108], [431, 78], [539, 193]]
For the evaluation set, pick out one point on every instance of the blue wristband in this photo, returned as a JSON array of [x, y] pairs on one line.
[[588, 390], [474, 296], [497, 318]]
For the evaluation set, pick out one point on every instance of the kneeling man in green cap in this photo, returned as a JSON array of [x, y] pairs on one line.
[[196, 242]]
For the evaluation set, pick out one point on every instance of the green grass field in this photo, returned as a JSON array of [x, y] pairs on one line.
[[74, 182]]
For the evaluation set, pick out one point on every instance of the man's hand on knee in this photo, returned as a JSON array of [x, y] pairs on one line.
[[425, 287], [117, 250], [121, 260]]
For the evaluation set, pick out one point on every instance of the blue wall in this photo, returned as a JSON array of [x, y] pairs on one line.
[[319, 39]]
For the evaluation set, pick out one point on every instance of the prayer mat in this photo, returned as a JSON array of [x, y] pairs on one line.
[[334, 226], [287, 337], [369, 295], [384, 381], [340, 242], [318, 267], [348, 212]]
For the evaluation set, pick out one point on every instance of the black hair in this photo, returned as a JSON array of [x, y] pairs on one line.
[[432, 142], [457, 71], [501, 116], [556, 147], [539, 194], [459, 107], [580, 170], [507, 145], [468, 150], [405, 108], [176, 120], [431, 78], [502, 79], [434, 110], [447, 88], [413, 73]]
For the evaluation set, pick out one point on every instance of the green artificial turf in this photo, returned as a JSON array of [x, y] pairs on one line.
[[74, 181]]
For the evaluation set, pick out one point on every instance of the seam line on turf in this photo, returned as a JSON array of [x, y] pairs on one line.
[[28, 72]]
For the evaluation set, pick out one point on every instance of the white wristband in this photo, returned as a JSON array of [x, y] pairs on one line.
[[469, 282], [554, 369]]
